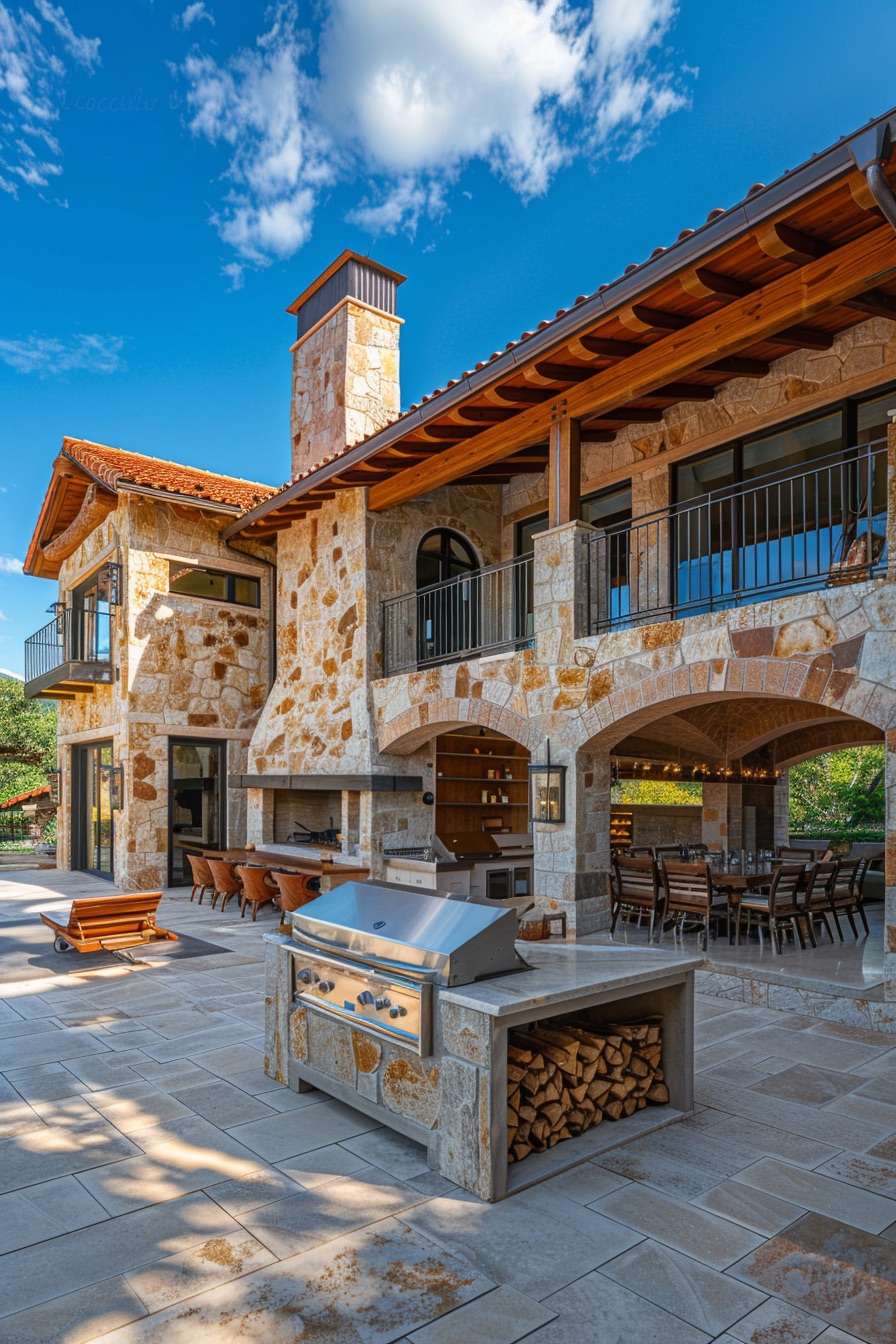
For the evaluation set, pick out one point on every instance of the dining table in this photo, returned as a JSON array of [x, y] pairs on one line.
[[331, 874]]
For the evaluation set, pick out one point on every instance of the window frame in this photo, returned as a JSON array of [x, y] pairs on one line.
[[230, 576]]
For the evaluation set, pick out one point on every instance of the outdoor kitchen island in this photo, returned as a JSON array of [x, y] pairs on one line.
[[402, 1030]]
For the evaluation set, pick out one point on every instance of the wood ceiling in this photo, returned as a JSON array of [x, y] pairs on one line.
[[822, 264]]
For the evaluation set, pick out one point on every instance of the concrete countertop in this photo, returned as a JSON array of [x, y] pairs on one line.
[[566, 971]]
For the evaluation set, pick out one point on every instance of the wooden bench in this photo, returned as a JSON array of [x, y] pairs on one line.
[[110, 924]]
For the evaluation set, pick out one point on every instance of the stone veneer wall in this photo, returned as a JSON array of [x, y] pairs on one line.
[[344, 382], [184, 666]]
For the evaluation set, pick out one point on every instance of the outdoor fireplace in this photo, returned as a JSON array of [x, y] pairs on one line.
[[407, 1006]]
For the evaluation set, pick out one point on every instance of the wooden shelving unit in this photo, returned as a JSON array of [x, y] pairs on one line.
[[620, 827], [463, 760]]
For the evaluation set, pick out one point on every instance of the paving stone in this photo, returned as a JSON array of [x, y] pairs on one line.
[[660, 1172], [713, 1240], [66, 1201], [226, 1063], [622, 1317], [136, 1106], [807, 1085], [807, 1122], [776, 1322], [251, 1191], [370, 1287], [76, 1317], [754, 1209], [392, 1152], [284, 1099], [536, 1246], [48, 1047], [841, 1274], [287, 1135], [501, 1317], [46, 1082], [872, 1173], [173, 1076], [222, 1103], [807, 1047], [820, 1194], [215, 1260], [859, 1107], [39, 1273], [51, 1153], [682, 1285], [583, 1184], [307, 1218], [322, 1165]]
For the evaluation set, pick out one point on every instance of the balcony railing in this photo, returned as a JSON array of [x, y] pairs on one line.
[[487, 611], [71, 651], [786, 533]]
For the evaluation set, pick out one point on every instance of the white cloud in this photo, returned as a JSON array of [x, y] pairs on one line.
[[33, 74], [10, 565], [400, 96], [46, 355], [193, 14]]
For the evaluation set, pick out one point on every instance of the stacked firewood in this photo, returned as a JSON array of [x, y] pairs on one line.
[[564, 1078]]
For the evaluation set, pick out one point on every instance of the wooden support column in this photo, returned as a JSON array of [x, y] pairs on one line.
[[564, 468]]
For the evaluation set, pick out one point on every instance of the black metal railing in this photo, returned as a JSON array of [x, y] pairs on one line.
[[789, 532], [486, 611], [75, 635]]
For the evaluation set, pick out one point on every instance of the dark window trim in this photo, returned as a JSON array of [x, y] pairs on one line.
[[444, 552], [847, 407], [221, 744], [522, 523], [230, 575]]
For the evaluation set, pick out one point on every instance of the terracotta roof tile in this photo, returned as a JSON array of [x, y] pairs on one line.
[[23, 797], [115, 468]]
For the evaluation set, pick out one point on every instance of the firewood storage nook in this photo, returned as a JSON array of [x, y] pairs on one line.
[[505, 1079]]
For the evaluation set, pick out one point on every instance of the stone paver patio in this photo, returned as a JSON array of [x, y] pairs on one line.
[[157, 1188]]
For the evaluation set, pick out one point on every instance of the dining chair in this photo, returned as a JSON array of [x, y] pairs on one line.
[[792, 854], [259, 888], [641, 852], [780, 905], [636, 890], [677, 853], [296, 890], [227, 882], [847, 893], [817, 901], [203, 880], [689, 894]]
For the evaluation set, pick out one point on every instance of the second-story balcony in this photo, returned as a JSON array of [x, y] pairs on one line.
[[484, 611], [70, 656], [788, 532]]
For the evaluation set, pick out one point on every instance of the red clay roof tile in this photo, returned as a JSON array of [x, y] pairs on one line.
[[116, 467]]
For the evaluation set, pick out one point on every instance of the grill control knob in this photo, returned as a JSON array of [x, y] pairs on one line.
[[402, 1012], [382, 1003], [307, 976], [324, 986], [394, 1012], [365, 997]]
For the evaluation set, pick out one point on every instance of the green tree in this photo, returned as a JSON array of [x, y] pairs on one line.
[[840, 792], [27, 739], [657, 792]]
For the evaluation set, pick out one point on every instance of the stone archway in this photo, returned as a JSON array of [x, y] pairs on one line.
[[409, 730]]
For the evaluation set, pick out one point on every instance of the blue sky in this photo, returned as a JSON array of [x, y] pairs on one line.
[[171, 176]]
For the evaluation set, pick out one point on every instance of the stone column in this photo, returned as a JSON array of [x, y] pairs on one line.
[[890, 864], [723, 816], [649, 556], [260, 816], [559, 597], [782, 809], [891, 502], [572, 860], [392, 820]]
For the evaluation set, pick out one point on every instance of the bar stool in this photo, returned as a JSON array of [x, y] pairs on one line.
[[258, 889], [203, 880], [227, 883], [296, 890]]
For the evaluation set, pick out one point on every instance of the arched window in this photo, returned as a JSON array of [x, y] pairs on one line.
[[447, 596], [443, 554]]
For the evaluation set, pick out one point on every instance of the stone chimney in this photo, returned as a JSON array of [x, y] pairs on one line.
[[345, 359]]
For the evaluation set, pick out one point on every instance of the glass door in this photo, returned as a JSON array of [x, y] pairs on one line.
[[94, 829], [195, 803]]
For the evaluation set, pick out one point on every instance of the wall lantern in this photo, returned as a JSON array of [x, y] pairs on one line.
[[54, 779], [110, 577], [113, 775], [547, 791]]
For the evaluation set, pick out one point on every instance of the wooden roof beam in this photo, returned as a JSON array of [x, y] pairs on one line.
[[795, 297]]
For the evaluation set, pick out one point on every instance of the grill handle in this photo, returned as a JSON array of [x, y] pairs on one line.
[[381, 963]]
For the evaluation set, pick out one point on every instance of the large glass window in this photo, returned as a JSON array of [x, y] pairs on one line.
[[93, 827], [214, 583], [195, 803], [447, 596]]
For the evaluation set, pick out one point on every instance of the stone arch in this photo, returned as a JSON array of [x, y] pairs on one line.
[[418, 724], [655, 695]]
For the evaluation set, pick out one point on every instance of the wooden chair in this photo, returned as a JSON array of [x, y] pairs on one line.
[[110, 924], [636, 890], [689, 896], [296, 890], [781, 905], [675, 853], [202, 876], [847, 894], [641, 852], [792, 855], [817, 903], [227, 883], [259, 888]]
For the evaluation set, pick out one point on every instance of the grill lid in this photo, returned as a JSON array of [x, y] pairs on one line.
[[455, 941]]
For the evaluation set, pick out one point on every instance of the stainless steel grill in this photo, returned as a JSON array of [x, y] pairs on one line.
[[372, 952]]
